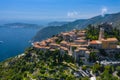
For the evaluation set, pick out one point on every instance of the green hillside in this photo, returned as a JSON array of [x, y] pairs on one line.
[[78, 24], [38, 65]]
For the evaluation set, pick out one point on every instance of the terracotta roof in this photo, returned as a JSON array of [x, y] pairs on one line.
[[110, 39], [83, 31], [74, 45], [47, 47], [95, 42], [48, 40], [52, 49], [77, 50], [81, 49], [53, 38], [64, 42], [42, 42], [85, 45], [36, 45], [80, 40], [65, 33], [81, 34], [71, 32], [64, 48]]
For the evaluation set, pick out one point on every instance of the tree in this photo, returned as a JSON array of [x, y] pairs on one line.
[[84, 67], [118, 69], [96, 67], [85, 78], [117, 55], [93, 57], [102, 51], [80, 62]]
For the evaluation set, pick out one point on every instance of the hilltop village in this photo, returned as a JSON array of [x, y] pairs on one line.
[[92, 53], [76, 44]]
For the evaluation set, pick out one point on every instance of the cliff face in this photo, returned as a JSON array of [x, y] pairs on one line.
[[78, 24]]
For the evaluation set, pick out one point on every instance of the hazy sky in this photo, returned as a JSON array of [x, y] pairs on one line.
[[55, 9]]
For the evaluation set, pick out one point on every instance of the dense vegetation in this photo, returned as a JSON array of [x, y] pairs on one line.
[[36, 64], [93, 32], [105, 72]]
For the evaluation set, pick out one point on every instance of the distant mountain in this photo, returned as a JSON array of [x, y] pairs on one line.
[[21, 25], [79, 24], [56, 23]]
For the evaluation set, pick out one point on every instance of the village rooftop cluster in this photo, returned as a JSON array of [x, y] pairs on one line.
[[75, 44]]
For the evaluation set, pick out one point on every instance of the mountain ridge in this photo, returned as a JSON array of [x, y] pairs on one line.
[[57, 23], [78, 24]]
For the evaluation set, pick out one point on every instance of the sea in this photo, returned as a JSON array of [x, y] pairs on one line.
[[14, 41]]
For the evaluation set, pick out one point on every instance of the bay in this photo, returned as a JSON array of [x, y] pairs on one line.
[[14, 41]]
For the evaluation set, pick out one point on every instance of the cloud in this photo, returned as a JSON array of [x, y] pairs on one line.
[[104, 11], [73, 14]]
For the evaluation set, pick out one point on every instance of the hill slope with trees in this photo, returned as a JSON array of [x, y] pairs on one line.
[[78, 24]]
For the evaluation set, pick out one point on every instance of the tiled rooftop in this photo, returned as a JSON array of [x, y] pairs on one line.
[[80, 40], [64, 42], [110, 39], [95, 42]]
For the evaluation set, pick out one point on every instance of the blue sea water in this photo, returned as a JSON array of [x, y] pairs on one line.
[[14, 41]]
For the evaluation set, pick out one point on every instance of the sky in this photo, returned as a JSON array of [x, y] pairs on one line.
[[55, 10]]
